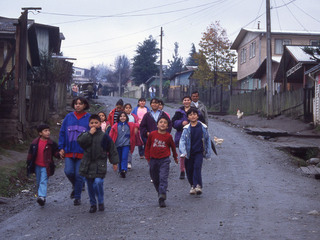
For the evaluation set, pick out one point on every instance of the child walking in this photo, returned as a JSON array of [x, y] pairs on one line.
[[194, 145], [105, 125], [123, 135], [40, 160], [132, 118], [157, 153], [97, 146], [114, 113]]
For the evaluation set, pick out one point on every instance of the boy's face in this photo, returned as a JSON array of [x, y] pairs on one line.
[[162, 124], [127, 109], [160, 106], [193, 117], [94, 123], [186, 102], [142, 103], [79, 106], [119, 107], [154, 105], [45, 133]]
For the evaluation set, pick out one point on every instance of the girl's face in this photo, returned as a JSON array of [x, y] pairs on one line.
[[123, 118], [79, 106], [142, 103], [160, 106], [128, 109], [102, 117], [186, 102], [119, 107]]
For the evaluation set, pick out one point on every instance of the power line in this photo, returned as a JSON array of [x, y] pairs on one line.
[[277, 15], [295, 16], [306, 13]]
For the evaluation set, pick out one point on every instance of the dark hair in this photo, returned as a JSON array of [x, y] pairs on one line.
[[142, 99], [82, 100], [95, 116], [41, 127], [193, 110], [105, 115], [163, 117], [195, 92], [119, 102], [120, 113], [127, 104], [154, 100], [161, 102], [186, 97]]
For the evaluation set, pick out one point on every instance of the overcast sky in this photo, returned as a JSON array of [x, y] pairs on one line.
[[97, 31]]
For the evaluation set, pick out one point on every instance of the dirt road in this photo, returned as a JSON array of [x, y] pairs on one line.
[[251, 191]]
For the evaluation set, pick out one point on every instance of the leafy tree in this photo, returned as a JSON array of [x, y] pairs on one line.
[[144, 62], [215, 46], [191, 61], [314, 52], [176, 64], [203, 73]]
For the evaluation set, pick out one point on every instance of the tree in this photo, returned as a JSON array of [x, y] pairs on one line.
[[314, 52], [203, 73], [144, 62], [215, 46], [176, 64], [191, 61], [122, 69]]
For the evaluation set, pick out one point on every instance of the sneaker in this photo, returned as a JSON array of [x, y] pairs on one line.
[[162, 204], [198, 189], [77, 202], [123, 174], [72, 194], [93, 209], [41, 201], [192, 191], [101, 207], [129, 166], [182, 175]]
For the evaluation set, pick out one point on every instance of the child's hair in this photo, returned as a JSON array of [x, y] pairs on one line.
[[163, 117], [41, 127], [105, 116], [82, 100], [193, 110], [119, 102], [161, 102], [127, 104], [142, 100], [186, 97], [120, 113], [156, 100], [95, 116]]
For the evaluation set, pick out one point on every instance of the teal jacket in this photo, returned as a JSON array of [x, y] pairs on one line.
[[96, 149], [185, 141]]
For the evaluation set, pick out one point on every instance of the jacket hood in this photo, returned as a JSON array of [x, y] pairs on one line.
[[204, 125]]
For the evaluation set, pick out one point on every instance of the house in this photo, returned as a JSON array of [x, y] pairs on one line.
[[22, 43], [314, 75], [251, 47]]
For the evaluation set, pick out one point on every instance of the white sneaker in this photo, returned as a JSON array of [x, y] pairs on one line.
[[129, 166], [192, 191], [198, 189]]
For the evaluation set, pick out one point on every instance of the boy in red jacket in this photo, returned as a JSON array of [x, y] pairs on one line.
[[157, 153], [40, 160]]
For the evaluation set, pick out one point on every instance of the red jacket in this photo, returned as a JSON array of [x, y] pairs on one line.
[[114, 134], [111, 116], [139, 141], [158, 146]]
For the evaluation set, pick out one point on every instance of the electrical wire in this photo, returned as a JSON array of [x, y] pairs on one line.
[[306, 13], [258, 12], [277, 14], [295, 16]]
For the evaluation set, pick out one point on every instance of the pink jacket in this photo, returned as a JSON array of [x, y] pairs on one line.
[[114, 134], [139, 141]]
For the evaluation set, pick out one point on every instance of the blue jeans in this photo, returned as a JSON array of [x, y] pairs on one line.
[[95, 188], [193, 169], [123, 157], [159, 173], [71, 169], [42, 181]]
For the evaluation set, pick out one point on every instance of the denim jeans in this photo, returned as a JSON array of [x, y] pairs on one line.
[[95, 188], [71, 169], [42, 181], [193, 169], [123, 157]]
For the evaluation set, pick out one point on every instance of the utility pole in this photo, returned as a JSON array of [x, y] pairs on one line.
[[160, 77], [269, 65]]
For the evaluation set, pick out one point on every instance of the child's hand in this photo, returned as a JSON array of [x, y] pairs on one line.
[[115, 167], [148, 134], [135, 130], [92, 130], [61, 153], [184, 123]]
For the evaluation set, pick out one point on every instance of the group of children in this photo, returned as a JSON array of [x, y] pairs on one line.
[[85, 142]]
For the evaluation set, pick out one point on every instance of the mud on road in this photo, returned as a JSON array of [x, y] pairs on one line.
[[251, 191]]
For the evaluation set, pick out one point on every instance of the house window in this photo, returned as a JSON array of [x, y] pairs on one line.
[[243, 55], [78, 73], [252, 50], [315, 42], [279, 43]]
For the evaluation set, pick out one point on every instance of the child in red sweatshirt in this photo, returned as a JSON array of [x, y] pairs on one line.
[[157, 153]]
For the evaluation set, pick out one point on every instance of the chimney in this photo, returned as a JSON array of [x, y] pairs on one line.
[[258, 24]]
